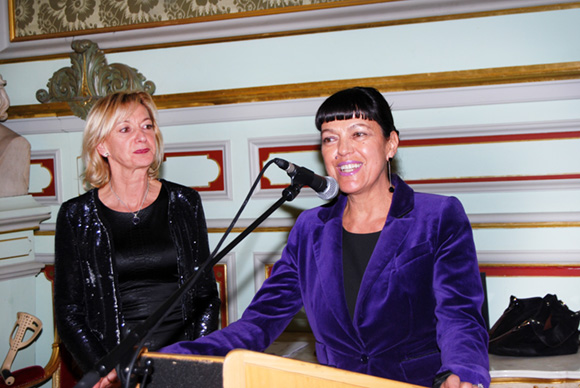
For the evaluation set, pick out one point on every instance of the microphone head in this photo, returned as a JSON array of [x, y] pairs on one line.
[[283, 164], [331, 190]]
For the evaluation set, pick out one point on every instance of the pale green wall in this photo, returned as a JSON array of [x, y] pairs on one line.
[[513, 40]]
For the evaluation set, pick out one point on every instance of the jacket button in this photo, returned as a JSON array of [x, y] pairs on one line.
[[364, 358]]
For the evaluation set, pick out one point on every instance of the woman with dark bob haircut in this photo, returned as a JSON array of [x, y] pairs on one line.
[[388, 277]]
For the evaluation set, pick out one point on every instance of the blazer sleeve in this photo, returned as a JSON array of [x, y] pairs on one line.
[[206, 300], [461, 333], [69, 296]]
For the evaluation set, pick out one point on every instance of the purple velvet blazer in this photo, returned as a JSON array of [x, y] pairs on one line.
[[418, 310]]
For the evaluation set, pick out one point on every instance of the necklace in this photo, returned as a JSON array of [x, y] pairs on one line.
[[136, 218]]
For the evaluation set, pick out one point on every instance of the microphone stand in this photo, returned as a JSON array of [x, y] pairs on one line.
[[124, 355]]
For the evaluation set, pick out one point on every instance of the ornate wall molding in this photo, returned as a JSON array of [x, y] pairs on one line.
[[45, 167], [89, 78], [269, 23], [484, 79], [30, 124], [198, 159], [274, 180], [262, 266], [497, 184], [229, 287]]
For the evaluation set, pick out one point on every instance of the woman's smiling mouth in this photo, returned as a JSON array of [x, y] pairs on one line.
[[349, 168]]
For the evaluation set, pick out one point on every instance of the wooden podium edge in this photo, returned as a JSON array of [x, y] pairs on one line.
[[183, 357], [238, 362]]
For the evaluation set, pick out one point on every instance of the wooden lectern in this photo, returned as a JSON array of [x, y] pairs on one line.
[[247, 369]]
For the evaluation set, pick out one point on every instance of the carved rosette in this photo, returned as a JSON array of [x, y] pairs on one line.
[[90, 78]]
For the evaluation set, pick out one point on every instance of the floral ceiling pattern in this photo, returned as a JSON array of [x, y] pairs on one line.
[[34, 19]]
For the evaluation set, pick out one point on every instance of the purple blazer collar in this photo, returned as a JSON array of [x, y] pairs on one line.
[[403, 202]]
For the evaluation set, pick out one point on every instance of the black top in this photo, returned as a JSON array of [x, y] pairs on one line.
[[145, 260], [88, 312], [356, 253]]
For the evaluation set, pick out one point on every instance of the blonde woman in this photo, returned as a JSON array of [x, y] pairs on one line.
[[126, 245]]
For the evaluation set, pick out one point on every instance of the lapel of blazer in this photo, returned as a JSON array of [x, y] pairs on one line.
[[328, 256], [328, 251], [391, 238]]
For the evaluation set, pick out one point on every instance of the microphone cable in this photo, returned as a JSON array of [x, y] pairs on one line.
[[127, 380]]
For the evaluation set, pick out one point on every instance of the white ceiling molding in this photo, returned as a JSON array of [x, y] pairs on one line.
[[482, 218], [521, 218], [490, 129], [485, 95], [45, 258], [488, 187], [272, 222], [21, 213], [528, 257], [19, 270], [287, 223], [423, 99], [258, 25]]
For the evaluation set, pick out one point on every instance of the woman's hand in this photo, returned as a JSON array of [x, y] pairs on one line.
[[453, 381], [109, 381]]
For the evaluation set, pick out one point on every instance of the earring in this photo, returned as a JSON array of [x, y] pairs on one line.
[[106, 155], [391, 188]]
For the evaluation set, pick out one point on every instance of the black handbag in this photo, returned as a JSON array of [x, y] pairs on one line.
[[535, 327]]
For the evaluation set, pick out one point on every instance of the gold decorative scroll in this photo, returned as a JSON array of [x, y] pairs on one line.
[[90, 78]]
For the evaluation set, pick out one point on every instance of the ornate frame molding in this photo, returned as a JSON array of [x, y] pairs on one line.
[[401, 83], [271, 24], [157, 16]]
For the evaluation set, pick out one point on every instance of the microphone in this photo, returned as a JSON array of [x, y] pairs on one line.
[[325, 187]]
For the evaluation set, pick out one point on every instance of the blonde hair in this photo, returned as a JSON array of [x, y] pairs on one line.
[[101, 120]]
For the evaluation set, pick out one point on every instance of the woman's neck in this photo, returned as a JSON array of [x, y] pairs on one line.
[[366, 215], [129, 195]]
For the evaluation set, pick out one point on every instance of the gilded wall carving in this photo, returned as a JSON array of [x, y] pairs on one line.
[[32, 19], [89, 78]]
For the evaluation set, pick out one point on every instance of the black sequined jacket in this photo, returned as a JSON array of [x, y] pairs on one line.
[[86, 296]]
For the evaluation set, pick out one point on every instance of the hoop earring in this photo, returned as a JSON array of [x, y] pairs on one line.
[[391, 188]]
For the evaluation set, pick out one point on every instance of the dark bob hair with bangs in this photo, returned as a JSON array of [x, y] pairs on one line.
[[358, 102]]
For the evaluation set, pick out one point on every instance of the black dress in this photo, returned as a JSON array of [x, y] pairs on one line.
[[357, 249], [146, 269]]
